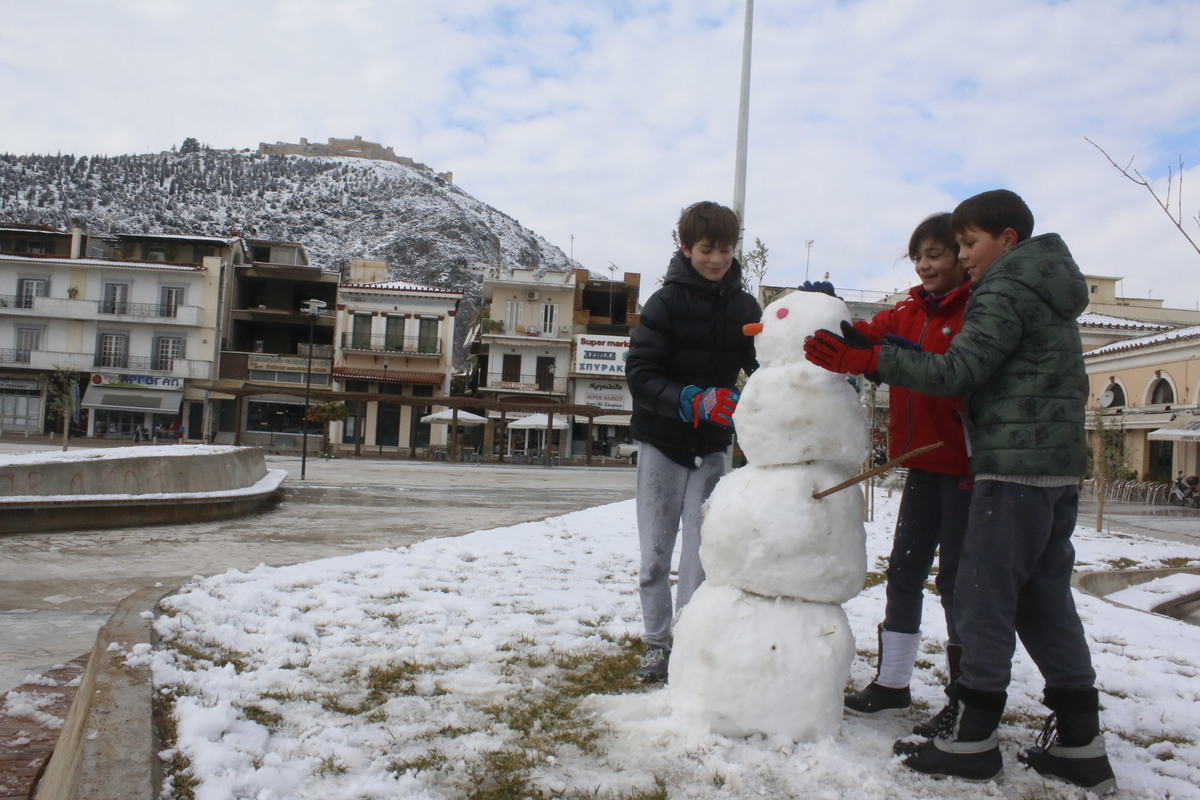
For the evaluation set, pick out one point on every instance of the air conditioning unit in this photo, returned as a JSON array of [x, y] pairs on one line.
[[533, 295]]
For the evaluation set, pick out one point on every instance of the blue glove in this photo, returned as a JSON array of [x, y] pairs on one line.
[[714, 405], [824, 287], [901, 342]]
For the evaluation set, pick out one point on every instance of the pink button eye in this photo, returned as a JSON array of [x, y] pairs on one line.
[[781, 313]]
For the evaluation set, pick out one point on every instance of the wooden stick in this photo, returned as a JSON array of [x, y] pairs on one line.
[[873, 471]]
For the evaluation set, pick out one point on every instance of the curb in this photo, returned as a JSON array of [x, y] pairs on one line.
[[107, 747]]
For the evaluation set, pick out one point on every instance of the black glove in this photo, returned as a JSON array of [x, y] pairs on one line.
[[901, 342], [824, 287], [853, 336]]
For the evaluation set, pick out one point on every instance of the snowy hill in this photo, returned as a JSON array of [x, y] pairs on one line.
[[429, 230]]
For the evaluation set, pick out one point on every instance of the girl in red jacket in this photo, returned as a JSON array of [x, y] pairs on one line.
[[937, 491]]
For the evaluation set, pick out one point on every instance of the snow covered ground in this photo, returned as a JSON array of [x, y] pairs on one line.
[[292, 706]]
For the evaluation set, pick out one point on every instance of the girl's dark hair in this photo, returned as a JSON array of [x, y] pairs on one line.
[[709, 220], [992, 212], [936, 227]]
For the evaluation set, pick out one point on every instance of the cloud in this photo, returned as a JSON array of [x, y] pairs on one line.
[[594, 123]]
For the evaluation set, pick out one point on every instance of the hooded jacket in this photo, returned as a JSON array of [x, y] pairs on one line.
[[915, 419], [690, 333], [1017, 364]]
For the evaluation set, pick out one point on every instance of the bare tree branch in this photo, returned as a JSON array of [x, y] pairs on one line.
[[1165, 204]]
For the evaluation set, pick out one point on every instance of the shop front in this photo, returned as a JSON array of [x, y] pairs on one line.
[[137, 407]]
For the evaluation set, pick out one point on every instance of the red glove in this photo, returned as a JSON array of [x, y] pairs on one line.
[[827, 349], [715, 406]]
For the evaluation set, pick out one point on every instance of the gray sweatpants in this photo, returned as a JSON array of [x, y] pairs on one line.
[[1014, 579], [669, 498]]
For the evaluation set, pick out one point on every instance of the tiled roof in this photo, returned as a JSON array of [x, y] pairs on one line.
[[403, 286], [1094, 320], [1182, 334]]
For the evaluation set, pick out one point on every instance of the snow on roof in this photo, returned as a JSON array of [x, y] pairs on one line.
[[225, 240], [1094, 320], [1182, 334], [403, 286], [104, 262]]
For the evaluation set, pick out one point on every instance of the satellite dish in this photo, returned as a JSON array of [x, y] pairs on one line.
[[1105, 400]]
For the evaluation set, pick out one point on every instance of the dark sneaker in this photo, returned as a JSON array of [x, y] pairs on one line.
[[653, 666], [940, 724], [1085, 766], [876, 698], [950, 758]]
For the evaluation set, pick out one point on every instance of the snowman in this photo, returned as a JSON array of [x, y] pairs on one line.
[[764, 645]]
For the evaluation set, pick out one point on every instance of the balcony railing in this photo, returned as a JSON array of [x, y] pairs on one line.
[[382, 343], [138, 309], [140, 363], [527, 383], [10, 356]]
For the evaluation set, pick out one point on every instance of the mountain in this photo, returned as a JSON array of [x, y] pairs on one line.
[[430, 231]]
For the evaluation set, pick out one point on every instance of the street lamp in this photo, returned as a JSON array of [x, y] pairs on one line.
[[313, 309]]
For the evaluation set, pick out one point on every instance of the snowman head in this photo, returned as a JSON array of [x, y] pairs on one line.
[[785, 323]]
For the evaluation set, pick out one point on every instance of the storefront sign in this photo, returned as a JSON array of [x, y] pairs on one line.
[[611, 395], [601, 355], [140, 381]]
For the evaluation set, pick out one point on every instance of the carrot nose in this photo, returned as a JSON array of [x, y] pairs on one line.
[[752, 328]]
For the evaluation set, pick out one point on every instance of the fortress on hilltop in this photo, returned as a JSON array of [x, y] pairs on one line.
[[346, 148]]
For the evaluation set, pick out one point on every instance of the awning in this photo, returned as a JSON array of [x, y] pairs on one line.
[[119, 398], [608, 419], [1183, 429], [389, 375]]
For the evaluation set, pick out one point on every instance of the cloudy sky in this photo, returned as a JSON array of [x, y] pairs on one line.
[[594, 123]]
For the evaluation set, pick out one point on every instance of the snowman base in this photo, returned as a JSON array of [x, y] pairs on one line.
[[745, 664]]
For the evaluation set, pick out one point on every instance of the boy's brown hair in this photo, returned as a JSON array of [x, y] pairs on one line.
[[709, 220], [992, 212]]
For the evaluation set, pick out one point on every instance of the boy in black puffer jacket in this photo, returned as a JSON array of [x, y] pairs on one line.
[[683, 366]]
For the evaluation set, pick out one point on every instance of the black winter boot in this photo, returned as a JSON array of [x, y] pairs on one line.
[[944, 719], [889, 690], [971, 750], [1070, 746]]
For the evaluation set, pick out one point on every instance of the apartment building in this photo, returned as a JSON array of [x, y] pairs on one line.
[[134, 318], [394, 339], [558, 340]]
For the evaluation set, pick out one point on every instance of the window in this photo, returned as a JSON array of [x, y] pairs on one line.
[[549, 318], [360, 335], [513, 309], [394, 333], [29, 288], [112, 350], [166, 350], [169, 300], [427, 336], [1162, 393], [116, 299], [511, 368], [28, 340]]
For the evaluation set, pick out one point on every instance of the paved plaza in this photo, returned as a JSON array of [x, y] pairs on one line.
[[57, 589]]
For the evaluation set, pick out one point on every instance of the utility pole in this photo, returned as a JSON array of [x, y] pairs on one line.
[[739, 174], [807, 257]]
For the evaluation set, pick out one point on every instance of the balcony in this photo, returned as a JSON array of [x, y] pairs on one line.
[[544, 384], [50, 360], [404, 345], [496, 327], [63, 308]]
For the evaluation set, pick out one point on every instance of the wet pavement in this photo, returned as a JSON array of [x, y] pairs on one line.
[[57, 589]]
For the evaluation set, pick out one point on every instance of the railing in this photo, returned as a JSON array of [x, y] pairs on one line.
[[138, 309], [527, 383], [157, 310], [382, 343], [149, 364], [12, 356]]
